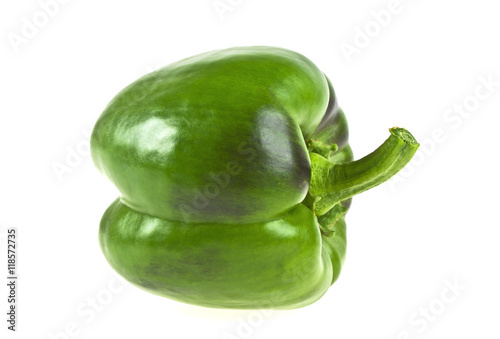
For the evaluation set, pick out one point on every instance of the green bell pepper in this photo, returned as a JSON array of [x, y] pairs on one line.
[[235, 176]]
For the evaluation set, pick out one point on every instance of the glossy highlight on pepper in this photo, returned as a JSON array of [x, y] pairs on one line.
[[235, 175]]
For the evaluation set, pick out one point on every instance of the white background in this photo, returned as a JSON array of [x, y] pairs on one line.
[[434, 225]]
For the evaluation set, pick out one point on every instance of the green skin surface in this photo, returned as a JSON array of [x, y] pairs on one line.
[[221, 185]]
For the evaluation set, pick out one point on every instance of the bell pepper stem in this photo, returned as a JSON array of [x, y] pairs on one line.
[[332, 183]]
